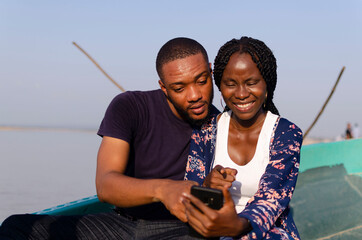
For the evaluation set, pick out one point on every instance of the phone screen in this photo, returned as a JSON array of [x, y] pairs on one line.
[[213, 198]]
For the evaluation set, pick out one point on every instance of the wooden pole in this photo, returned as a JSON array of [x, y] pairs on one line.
[[326, 102], [99, 67]]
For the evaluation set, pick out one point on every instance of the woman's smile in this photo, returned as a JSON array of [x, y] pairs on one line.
[[244, 107], [244, 89]]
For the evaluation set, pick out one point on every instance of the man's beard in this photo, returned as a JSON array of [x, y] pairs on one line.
[[184, 115]]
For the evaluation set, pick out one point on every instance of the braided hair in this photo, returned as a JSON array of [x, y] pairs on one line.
[[261, 55]]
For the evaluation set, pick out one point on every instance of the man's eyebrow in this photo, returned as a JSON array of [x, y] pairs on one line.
[[177, 83], [199, 75], [195, 78]]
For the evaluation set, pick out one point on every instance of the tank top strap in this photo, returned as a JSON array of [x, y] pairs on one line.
[[223, 132], [265, 135]]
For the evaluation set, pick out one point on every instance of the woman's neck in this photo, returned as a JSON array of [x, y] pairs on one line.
[[248, 125]]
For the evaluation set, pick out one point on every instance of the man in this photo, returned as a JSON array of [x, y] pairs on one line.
[[349, 131], [142, 158], [146, 136]]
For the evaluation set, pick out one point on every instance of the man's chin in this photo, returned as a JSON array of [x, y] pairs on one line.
[[192, 118], [198, 120]]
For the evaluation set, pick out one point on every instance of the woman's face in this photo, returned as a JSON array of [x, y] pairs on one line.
[[243, 88]]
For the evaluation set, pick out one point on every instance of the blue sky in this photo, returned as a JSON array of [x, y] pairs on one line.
[[46, 81]]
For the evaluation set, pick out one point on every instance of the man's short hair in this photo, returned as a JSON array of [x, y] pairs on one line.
[[178, 48]]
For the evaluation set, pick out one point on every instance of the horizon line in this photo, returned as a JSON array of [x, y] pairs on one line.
[[57, 129]]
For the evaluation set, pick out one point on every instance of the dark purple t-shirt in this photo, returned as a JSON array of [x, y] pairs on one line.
[[159, 141]]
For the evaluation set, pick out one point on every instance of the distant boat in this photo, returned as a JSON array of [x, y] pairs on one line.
[[327, 202]]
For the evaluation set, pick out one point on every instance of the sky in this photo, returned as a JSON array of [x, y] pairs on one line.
[[46, 81]]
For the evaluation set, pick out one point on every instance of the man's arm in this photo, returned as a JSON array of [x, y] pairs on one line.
[[118, 189]]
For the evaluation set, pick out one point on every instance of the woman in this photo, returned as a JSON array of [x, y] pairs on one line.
[[262, 147]]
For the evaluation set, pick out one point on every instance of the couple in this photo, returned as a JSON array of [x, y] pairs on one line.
[[254, 154]]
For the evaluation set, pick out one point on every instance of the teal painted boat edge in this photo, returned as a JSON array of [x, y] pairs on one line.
[[86, 205], [347, 152]]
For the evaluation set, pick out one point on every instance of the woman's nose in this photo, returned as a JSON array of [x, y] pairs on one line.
[[242, 92]]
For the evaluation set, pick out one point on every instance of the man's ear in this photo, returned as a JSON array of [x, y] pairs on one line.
[[210, 68], [162, 86]]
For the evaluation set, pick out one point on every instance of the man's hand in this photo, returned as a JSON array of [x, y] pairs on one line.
[[114, 187], [214, 223], [220, 177], [170, 194]]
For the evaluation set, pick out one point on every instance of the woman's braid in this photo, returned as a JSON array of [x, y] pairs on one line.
[[261, 55]]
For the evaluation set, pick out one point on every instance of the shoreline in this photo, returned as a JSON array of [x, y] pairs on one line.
[[54, 129], [306, 141]]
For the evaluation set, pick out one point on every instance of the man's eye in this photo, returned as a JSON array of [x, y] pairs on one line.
[[178, 89], [203, 81]]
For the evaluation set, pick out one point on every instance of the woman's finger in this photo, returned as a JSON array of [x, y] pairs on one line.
[[231, 171], [227, 197]]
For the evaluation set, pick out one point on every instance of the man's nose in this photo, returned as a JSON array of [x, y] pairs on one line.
[[194, 94]]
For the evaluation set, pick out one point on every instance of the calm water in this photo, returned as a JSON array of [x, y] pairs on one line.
[[41, 169]]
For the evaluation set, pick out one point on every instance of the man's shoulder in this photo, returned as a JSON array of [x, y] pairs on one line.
[[138, 96]]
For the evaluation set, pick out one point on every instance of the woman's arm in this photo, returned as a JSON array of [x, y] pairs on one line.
[[277, 184]]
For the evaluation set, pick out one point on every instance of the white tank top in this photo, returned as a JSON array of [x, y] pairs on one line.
[[248, 177]]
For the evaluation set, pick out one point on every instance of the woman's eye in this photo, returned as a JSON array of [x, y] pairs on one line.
[[251, 83], [230, 84]]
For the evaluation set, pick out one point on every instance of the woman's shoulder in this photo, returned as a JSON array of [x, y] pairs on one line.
[[225, 114], [286, 131], [285, 124]]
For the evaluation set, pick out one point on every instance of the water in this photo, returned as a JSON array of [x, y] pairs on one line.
[[41, 169]]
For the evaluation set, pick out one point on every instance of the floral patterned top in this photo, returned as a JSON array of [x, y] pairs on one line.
[[268, 210]]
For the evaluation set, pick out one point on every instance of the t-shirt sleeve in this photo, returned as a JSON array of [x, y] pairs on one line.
[[121, 118]]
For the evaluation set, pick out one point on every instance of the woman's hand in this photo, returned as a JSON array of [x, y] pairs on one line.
[[214, 223], [220, 177]]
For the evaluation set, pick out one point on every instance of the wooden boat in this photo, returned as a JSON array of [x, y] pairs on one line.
[[327, 202]]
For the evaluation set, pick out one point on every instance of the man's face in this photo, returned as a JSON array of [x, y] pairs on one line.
[[187, 84]]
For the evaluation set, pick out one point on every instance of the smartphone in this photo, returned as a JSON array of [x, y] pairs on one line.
[[212, 197]]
